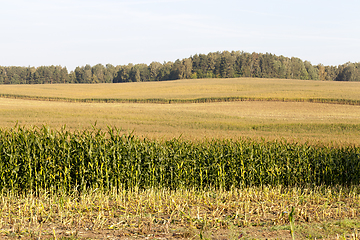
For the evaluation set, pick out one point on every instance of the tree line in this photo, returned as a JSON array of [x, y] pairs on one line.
[[212, 65]]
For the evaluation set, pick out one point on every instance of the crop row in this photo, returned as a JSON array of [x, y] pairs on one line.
[[41, 158], [187, 100]]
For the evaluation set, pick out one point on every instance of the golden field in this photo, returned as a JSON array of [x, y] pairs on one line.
[[294, 121], [290, 120], [195, 88]]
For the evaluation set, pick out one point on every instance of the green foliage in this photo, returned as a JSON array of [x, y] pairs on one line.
[[349, 72], [218, 64], [31, 75], [45, 159]]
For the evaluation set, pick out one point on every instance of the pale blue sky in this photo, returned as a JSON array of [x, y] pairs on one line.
[[77, 32]]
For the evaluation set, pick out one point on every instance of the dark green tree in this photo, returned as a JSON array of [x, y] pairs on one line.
[[349, 72], [154, 70], [227, 62], [313, 72]]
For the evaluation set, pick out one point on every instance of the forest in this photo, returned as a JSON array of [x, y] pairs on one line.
[[212, 65]]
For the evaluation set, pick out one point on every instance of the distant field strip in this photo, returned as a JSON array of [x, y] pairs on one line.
[[297, 121], [296, 110], [175, 100], [193, 89]]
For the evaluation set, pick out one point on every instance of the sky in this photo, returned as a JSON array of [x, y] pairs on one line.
[[74, 33]]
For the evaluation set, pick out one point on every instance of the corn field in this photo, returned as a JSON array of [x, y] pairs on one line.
[[43, 159]]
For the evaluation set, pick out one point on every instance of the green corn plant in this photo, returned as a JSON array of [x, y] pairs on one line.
[[42, 159]]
